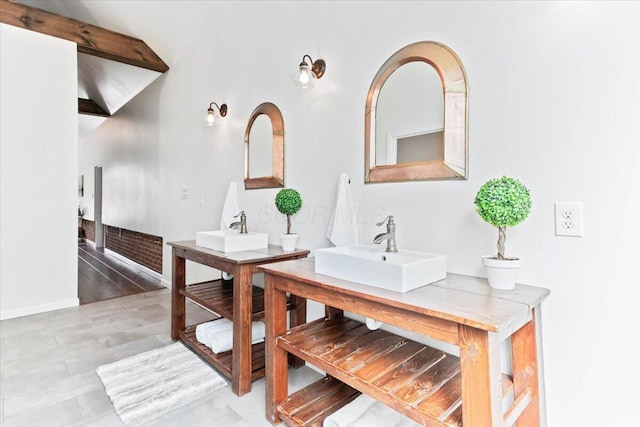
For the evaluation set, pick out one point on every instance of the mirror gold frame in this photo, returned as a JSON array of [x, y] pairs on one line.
[[455, 164], [276, 180]]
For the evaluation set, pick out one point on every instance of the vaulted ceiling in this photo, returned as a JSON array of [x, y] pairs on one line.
[[112, 67]]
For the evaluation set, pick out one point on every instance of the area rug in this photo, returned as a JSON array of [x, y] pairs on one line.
[[149, 385]]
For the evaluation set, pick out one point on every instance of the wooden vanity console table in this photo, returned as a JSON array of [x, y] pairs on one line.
[[430, 386], [241, 302]]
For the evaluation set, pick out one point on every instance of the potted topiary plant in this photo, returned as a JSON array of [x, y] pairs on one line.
[[502, 202], [288, 202]]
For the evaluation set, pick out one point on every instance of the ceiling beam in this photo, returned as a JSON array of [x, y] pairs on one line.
[[88, 107], [90, 39]]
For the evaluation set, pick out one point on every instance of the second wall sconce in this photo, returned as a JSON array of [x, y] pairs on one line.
[[305, 78], [211, 118]]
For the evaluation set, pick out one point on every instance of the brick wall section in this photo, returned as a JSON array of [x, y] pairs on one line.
[[89, 230], [144, 249]]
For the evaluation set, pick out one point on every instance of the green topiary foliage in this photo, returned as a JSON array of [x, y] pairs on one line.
[[503, 202], [288, 202]]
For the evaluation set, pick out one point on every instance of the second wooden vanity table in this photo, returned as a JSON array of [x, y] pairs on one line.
[[241, 302], [429, 386]]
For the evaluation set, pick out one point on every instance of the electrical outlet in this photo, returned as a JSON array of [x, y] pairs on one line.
[[184, 192], [568, 219]]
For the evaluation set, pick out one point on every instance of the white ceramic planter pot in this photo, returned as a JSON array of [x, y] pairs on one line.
[[501, 274], [289, 241]]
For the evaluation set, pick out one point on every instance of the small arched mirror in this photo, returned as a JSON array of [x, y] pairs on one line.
[[416, 117], [264, 148]]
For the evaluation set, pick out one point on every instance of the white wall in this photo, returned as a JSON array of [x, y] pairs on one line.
[[38, 177], [555, 102]]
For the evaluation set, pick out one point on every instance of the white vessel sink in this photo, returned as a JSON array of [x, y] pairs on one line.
[[401, 271], [232, 240]]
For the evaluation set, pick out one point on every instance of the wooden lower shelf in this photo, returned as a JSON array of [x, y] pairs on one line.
[[223, 361], [419, 381], [311, 405], [217, 296]]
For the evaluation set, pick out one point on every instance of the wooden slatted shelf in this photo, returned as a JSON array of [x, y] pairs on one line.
[[223, 361], [217, 296], [311, 405], [424, 382]]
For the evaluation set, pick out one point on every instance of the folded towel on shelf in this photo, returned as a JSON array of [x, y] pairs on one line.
[[205, 331], [344, 416], [343, 229], [365, 411], [222, 341], [380, 414]]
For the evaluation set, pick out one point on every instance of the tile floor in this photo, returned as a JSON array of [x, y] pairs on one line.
[[48, 362]]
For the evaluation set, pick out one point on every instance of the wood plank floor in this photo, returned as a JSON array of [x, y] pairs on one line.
[[48, 363], [102, 277]]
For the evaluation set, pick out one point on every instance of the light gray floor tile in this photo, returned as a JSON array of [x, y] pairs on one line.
[[140, 332], [61, 413], [107, 420], [62, 318], [50, 385], [90, 334], [21, 325], [51, 394], [95, 404], [37, 377], [16, 346], [59, 354], [89, 363], [162, 296]]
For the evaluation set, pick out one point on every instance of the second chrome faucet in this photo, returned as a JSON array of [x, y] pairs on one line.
[[242, 223], [389, 236]]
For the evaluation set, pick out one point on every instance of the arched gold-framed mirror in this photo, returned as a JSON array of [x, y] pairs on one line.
[[439, 142], [264, 138]]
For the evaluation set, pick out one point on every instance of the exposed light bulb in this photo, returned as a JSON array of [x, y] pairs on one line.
[[304, 77], [209, 119]]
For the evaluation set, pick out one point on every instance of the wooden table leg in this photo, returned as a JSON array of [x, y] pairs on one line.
[[178, 314], [277, 380], [527, 375], [242, 308], [481, 389], [297, 317]]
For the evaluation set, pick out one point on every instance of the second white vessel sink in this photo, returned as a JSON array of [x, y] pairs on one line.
[[401, 271], [232, 240]]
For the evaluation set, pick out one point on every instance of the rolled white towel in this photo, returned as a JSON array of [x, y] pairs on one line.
[[222, 341], [344, 416], [380, 414], [204, 331]]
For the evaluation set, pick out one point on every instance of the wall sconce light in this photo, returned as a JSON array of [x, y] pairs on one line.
[[305, 78], [212, 118]]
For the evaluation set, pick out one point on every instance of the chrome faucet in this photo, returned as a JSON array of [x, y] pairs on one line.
[[242, 223], [389, 236]]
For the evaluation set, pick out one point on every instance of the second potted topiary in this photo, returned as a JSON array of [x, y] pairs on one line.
[[288, 202], [502, 202]]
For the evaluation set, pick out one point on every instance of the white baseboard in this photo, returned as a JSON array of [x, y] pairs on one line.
[[166, 283], [26, 311]]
